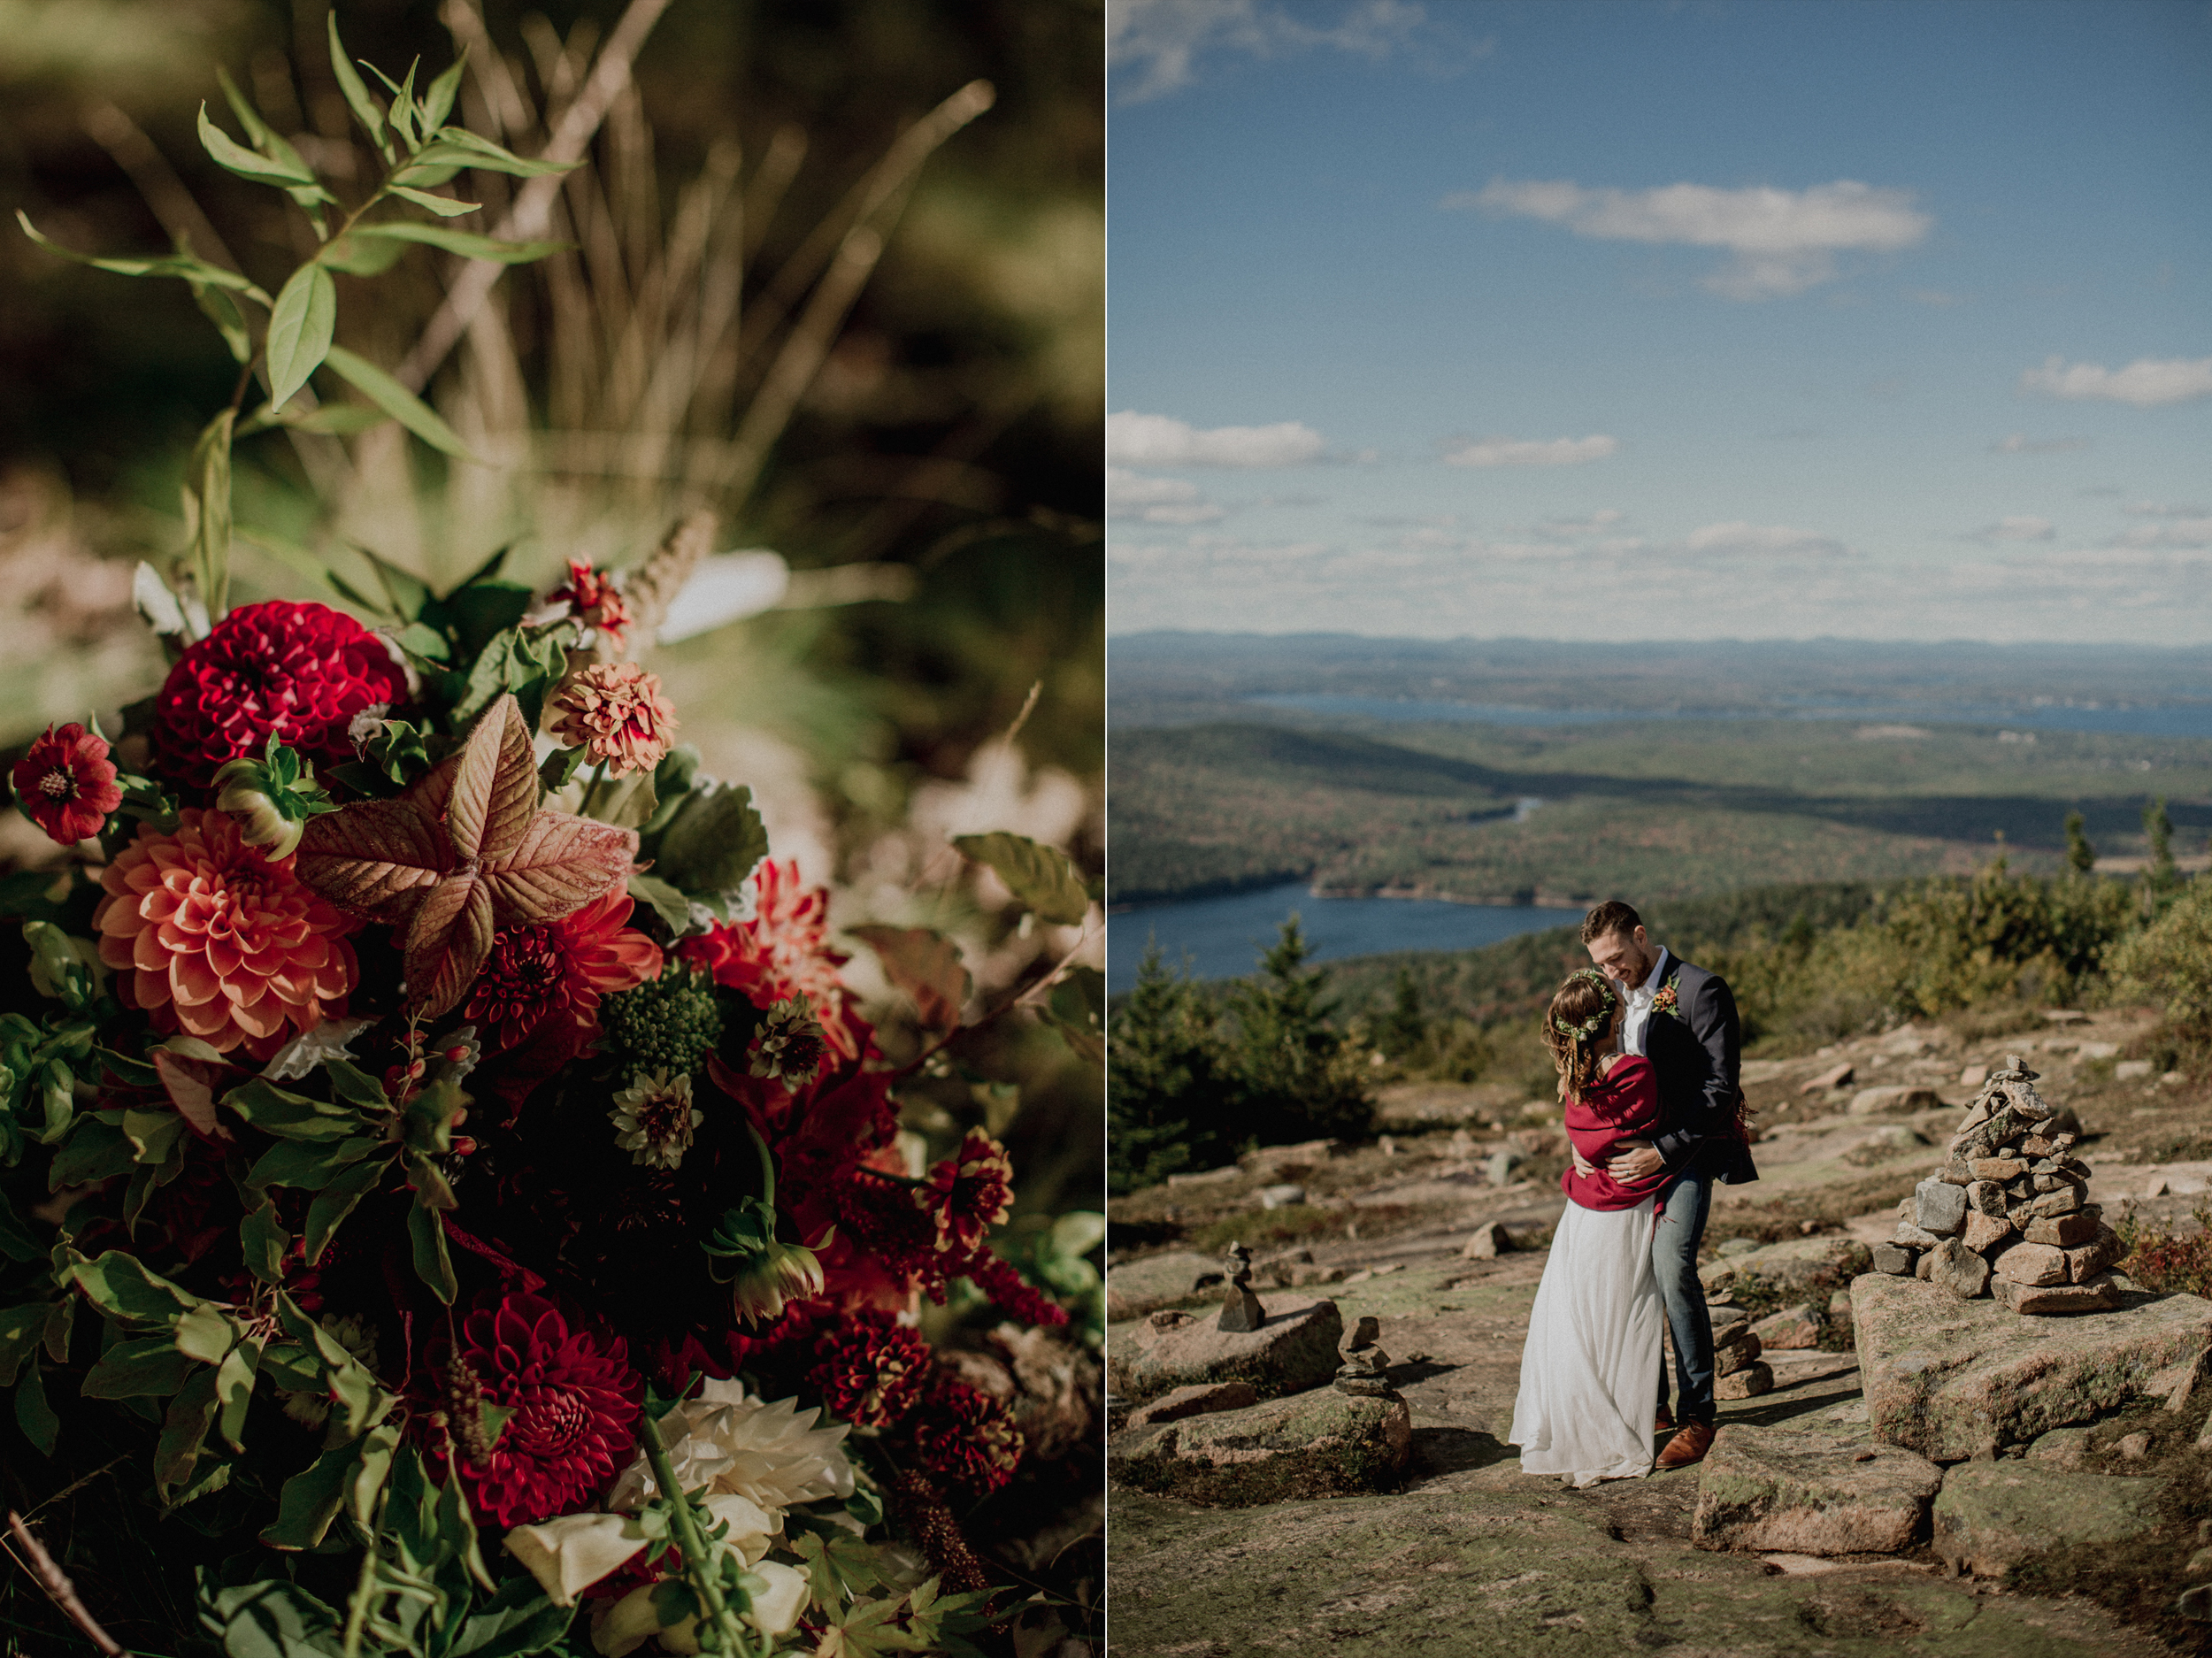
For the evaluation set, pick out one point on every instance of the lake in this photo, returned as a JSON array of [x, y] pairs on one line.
[[1222, 937], [2180, 719]]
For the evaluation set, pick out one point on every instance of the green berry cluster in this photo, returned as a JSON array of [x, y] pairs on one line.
[[670, 1026]]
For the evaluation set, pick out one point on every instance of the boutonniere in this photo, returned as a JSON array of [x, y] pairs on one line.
[[1670, 998]]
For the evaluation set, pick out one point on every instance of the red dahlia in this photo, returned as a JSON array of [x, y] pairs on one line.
[[541, 986], [67, 783], [966, 1437], [782, 951], [868, 1368], [575, 1400], [969, 1193], [300, 672]]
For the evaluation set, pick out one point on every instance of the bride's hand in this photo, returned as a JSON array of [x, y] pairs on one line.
[[1583, 1166]]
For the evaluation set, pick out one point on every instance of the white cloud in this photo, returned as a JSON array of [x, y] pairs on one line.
[[2174, 532], [1569, 529], [1148, 439], [1162, 41], [2017, 528], [2148, 382], [1739, 538], [2020, 443], [2161, 510], [1784, 241], [1532, 451], [1156, 500]]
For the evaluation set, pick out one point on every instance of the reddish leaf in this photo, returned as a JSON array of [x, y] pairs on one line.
[[190, 1084], [926, 965], [464, 852], [451, 935]]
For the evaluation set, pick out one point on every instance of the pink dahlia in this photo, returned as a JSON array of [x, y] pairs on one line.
[[575, 1400], [298, 671], [211, 939], [615, 712], [67, 784], [783, 952]]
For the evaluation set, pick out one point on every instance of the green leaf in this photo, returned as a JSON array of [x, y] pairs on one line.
[[355, 1087], [266, 139], [155, 1136], [1077, 1009], [309, 1165], [41, 1426], [629, 803], [356, 257], [270, 1618], [289, 1115], [457, 146], [926, 965], [1042, 878], [311, 1497], [300, 329], [184, 266], [519, 1621], [221, 309], [664, 900], [408, 591], [233, 157], [424, 643], [205, 1333], [120, 1286], [183, 1432], [365, 109], [19, 1330], [425, 1232], [234, 1389], [397, 401], [149, 1367], [558, 769], [480, 611], [263, 1241], [337, 1200], [302, 563], [444, 206], [437, 104], [352, 1389], [465, 243], [713, 843], [61, 1319]]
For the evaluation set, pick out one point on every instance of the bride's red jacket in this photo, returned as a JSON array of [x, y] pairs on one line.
[[1623, 1104]]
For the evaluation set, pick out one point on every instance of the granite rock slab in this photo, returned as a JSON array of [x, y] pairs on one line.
[[1294, 1350], [1993, 1517], [1137, 1287], [1763, 1489], [1952, 1379], [1318, 1444]]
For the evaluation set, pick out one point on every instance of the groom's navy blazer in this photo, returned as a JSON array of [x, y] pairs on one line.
[[1697, 1057]]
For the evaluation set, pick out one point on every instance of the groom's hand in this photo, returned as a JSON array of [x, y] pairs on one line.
[[1636, 1160]]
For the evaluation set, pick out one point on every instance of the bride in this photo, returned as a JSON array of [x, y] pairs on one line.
[[1585, 1405]]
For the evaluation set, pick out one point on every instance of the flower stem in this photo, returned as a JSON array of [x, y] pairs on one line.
[[767, 1168], [698, 1564]]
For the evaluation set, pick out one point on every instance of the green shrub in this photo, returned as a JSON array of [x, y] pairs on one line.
[[1173, 1098], [2169, 962]]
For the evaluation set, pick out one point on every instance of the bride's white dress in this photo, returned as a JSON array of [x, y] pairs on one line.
[[1590, 1370]]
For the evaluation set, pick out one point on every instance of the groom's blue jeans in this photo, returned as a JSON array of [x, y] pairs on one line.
[[1682, 1209]]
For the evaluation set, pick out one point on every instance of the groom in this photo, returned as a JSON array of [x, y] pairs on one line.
[[1683, 1019]]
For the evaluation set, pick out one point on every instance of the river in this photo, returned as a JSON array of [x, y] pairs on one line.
[[1223, 936]]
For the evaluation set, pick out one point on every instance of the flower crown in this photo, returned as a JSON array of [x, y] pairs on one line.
[[1597, 1021]]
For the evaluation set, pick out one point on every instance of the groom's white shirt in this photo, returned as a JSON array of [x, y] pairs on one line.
[[1638, 1017]]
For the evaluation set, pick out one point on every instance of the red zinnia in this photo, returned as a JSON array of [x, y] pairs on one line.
[[595, 602], [575, 1400], [67, 784], [298, 671], [782, 951]]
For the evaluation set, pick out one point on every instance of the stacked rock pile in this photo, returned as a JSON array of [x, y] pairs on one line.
[[1738, 1373], [2008, 1216]]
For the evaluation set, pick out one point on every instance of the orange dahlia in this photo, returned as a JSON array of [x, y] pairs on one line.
[[211, 939], [615, 712]]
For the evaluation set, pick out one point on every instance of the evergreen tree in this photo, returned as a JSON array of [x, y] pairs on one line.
[[1300, 1076], [1173, 1099], [2158, 829], [1404, 1031], [2081, 857]]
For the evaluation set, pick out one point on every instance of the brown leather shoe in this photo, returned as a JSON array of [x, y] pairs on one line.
[[1665, 1422], [1687, 1446]]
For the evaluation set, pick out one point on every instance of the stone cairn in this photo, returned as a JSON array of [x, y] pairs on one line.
[[1241, 1312], [1365, 1372], [2008, 1215], [1738, 1373]]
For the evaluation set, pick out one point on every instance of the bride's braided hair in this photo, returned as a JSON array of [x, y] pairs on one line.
[[1580, 1013]]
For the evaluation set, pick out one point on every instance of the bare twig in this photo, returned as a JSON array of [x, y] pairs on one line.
[[58, 1589], [533, 210]]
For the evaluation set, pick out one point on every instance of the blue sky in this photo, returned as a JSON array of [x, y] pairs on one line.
[[1694, 320]]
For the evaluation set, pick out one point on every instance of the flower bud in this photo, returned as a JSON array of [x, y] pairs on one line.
[[780, 1272], [260, 820]]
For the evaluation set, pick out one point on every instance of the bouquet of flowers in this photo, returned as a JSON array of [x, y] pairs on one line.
[[450, 1181]]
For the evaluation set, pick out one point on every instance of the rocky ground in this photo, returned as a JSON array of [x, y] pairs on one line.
[[1468, 1555]]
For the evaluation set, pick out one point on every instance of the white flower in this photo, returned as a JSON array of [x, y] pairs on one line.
[[632, 1621], [569, 1554], [772, 1454], [654, 1120]]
